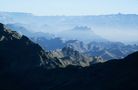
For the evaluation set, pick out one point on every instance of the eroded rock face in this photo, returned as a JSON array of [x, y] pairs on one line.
[[70, 56]]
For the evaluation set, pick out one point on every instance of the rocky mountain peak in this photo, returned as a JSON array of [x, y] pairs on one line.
[[7, 34]]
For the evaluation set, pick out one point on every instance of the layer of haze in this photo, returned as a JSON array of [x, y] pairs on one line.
[[70, 7], [79, 7]]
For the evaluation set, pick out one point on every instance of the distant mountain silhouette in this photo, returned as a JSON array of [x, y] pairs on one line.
[[83, 28], [111, 25], [49, 44], [20, 29], [81, 33]]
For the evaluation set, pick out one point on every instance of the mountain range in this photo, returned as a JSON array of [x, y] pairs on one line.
[[19, 47], [113, 27], [98, 47], [107, 49], [24, 65], [78, 32]]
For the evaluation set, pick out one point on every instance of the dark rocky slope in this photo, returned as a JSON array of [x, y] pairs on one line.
[[19, 51], [111, 75]]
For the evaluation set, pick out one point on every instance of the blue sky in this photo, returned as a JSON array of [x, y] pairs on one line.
[[70, 7]]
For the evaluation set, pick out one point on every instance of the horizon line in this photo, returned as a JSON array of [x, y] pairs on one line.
[[34, 14]]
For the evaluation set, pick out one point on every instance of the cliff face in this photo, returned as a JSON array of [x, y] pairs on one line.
[[17, 50]]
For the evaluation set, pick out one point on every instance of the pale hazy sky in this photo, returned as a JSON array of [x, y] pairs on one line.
[[70, 7]]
